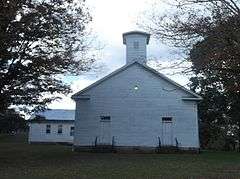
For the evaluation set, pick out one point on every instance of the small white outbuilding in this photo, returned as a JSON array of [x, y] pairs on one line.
[[52, 126], [136, 107]]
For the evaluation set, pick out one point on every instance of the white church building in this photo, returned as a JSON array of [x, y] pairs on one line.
[[136, 107]]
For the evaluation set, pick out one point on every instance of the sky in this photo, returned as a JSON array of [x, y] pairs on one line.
[[111, 19]]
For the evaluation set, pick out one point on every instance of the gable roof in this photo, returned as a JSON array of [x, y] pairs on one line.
[[55, 115], [135, 32], [197, 97]]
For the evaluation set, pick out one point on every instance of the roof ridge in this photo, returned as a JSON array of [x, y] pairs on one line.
[[74, 96]]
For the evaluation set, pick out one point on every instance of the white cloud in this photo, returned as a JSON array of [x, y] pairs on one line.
[[66, 102], [110, 20]]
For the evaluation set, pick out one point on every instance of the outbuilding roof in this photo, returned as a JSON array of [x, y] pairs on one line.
[[62, 115]]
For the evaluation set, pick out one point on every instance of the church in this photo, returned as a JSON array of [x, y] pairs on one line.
[[136, 107]]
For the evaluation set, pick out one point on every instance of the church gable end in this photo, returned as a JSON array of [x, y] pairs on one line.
[[136, 106], [136, 78]]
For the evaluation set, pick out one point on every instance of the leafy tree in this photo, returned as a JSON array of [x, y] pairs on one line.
[[215, 123], [39, 41], [12, 121], [217, 59], [208, 32]]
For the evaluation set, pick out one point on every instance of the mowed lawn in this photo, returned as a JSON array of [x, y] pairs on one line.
[[21, 160]]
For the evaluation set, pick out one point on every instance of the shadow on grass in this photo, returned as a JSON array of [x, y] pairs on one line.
[[21, 160]]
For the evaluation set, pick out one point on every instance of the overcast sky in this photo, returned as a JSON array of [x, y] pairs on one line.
[[111, 19]]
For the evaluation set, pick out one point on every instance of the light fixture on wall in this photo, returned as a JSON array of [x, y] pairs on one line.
[[136, 88]]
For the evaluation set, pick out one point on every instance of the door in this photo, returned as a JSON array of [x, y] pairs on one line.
[[105, 131], [167, 132]]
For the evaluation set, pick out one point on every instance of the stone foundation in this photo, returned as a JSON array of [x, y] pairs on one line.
[[135, 149], [51, 143]]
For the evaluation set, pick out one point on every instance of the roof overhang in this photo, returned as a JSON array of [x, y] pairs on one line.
[[192, 99], [50, 121], [136, 32], [82, 97]]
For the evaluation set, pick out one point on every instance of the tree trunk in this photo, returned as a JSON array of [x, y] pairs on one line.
[[238, 149]]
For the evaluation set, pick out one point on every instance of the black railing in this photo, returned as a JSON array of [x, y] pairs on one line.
[[95, 142], [101, 147], [161, 148], [113, 143], [177, 143], [158, 148], [159, 142]]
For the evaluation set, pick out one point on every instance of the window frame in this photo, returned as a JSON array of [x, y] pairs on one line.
[[167, 119], [105, 118], [136, 44], [60, 129], [72, 128], [48, 129]]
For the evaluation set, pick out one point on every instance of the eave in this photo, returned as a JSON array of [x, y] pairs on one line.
[[50, 121], [83, 97], [191, 99]]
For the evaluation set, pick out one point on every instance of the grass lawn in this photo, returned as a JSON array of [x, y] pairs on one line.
[[21, 160]]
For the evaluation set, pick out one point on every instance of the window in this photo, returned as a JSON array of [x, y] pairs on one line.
[[166, 119], [136, 45], [60, 130], [48, 129], [71, 130], [105, 118]]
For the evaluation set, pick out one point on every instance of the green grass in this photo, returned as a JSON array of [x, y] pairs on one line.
[[21, 160]]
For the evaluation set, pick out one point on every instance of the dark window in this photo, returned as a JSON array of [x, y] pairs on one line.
[[48, 129], [71, 130], [105, 118], [136, 45], [60, 130], [166, 119]]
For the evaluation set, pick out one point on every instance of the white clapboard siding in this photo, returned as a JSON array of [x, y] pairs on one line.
[[136, 54], [136, 114], [37, 132]]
